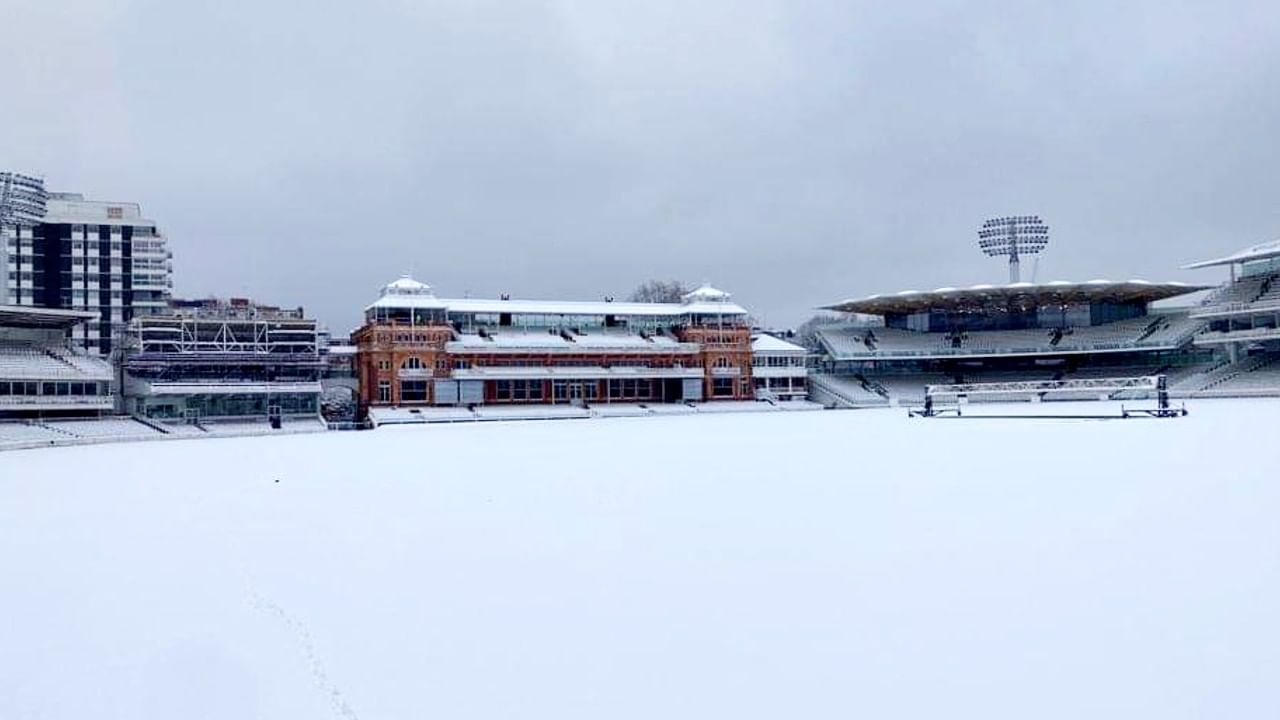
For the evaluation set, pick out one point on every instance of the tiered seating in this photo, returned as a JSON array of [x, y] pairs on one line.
[[1256, 375], [864, 342], [909, 388], [1272, 292], [1172, 330], [105, 429], [1263, 380], [852, 341], [24, 362], [90, 367], [15, 434], [1243, 290], [842, 391], [1121, 332]]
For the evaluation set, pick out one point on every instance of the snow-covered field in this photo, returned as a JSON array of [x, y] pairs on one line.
[[779, 565]]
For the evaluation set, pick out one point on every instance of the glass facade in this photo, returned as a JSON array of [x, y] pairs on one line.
[[227, 406]]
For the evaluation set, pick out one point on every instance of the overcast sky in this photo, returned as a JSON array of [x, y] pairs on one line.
[[793, 153]]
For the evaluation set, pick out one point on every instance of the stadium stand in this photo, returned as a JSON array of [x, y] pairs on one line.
[[104, 429], [41, 375], [843, 392], [236, 361], [1001, 334], [14, 435]]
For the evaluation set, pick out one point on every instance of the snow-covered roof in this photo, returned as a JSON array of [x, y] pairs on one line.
[[407, 293], [765, 342], [979, 297], [411, 294], [587, 307], [1263, 251], [24, 316], [406, 285], [706, 293]]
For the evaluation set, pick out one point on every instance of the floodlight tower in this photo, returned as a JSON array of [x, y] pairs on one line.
[[1013, 236]]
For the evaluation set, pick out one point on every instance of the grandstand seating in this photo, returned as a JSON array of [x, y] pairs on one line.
[[1170, 330], [30, 363], [908, 388], [1271, 293], [1146, 331], [1244, 290], [1256, 375], [843, 391], [90, 367], [22, 434], [1261, 380], [104, 429]]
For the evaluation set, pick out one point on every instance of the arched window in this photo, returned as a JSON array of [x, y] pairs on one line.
[[722, 362], [412, 363]]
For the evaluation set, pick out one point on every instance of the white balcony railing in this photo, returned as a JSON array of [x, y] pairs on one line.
[[1213, 338], [57, 402]]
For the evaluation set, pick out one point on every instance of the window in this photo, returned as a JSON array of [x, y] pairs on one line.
[[517, 390], [384, 391], [412, 363], [413, 391], [631, 389], [722, 362], [722, 387]]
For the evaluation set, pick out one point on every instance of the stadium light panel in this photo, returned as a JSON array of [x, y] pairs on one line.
[[1013, 236]]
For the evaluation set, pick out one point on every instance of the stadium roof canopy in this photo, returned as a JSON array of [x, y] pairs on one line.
[[1265, 251], [33, 317], [1022, 296]]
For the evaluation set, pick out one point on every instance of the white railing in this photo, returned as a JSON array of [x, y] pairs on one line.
[[1211, 338], [77, 401], [1236, 308]]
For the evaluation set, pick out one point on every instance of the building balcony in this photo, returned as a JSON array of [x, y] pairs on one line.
[[574, 373], [779, 372], [228, 388], [1235, 336], [56, 402]]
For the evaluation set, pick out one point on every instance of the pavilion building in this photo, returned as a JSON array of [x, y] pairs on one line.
[[416, 349]]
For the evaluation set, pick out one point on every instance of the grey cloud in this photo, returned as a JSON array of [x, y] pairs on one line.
[[792, 152]]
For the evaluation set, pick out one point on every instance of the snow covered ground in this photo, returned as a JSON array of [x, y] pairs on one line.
[[777, 565]]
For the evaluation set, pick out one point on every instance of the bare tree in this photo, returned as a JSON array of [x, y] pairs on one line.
[[659, 291]]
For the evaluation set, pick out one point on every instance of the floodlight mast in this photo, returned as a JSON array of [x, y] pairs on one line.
[[1013, 236]]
